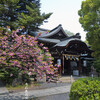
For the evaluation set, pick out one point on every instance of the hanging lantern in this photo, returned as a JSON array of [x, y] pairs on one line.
[[74, 58], [66, 57], [78, 59], [70, 57], [84, 63], [58, 61]]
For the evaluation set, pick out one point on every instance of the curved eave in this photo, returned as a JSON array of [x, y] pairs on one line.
[[49, 40], [56, 30], [66, 43]]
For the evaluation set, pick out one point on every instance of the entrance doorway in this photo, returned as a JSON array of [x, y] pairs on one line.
[[67, 67], [70, 67]]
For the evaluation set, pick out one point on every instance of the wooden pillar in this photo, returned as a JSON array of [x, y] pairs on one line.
[[60, 71], [79, 66], [63, 64]]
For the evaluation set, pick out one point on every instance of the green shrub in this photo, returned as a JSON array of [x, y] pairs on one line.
[[85, 89], [8, 75]]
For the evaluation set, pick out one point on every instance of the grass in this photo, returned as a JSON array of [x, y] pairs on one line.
[[21, 87], [9, 87]]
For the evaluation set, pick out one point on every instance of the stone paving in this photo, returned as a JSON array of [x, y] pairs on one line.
[[3, 89], [64, 96], [36, 93], [47, 91]]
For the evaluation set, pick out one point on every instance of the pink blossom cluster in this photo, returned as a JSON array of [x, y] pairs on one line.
[[26, 54]]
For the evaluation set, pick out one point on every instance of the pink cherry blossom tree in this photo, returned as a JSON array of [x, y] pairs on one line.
[[23, 54]]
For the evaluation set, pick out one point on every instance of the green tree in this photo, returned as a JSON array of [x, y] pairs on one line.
[[26, 13], [69, 33], [86, 42], [8, 14], [90, 20]]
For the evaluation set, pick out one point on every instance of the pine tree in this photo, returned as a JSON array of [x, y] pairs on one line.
[[8, 14], [15, 13]]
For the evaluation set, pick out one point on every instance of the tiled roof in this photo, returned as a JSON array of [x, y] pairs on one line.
[[52, 32], [49, 40], [65, 42]]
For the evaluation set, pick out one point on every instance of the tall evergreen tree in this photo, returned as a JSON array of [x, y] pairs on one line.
[[26, 13], [8, 14], [90, 20]]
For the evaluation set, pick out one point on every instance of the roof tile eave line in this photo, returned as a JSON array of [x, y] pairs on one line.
[[49, 40], [65, 42], [50, 33], [57, 29]]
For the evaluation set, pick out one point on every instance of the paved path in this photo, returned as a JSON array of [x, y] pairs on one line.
[[63, 96], [47, 91], [37, 93], [3, 89]]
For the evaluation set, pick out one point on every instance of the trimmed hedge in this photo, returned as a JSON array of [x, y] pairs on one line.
[[85, 89]]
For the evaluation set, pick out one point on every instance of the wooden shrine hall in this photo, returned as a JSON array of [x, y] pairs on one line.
[[66, 50]]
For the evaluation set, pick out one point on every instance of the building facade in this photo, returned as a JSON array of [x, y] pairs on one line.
[[68, 51]]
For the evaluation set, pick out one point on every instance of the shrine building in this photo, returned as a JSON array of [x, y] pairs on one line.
[[68, 51]]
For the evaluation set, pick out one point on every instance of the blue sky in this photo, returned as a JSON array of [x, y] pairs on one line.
[[65, 12]]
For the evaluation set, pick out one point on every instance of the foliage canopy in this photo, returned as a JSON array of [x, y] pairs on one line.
[[90, 21], [15, 13]]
